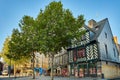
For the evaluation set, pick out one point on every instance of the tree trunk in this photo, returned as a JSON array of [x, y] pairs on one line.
[[15, 70], [33, 65], [52, 59]]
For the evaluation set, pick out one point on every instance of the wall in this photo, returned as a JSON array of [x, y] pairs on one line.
[[109, 42], [110, 70], [41, 61]]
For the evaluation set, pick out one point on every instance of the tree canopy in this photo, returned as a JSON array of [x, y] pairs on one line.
[[58, 27], [53, 29], [5, 50]]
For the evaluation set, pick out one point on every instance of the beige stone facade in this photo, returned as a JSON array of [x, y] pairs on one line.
[[110, 70], [41, 61], [26, 69]]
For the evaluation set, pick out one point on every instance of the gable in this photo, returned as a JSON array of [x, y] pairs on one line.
[[106, 38]]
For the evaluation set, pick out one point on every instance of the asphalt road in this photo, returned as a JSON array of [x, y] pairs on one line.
[[48, 78]]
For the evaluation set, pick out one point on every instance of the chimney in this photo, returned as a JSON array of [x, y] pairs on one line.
[[115, 39], [91, 23]]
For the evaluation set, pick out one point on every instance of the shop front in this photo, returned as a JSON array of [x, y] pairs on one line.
[[87, 70], [58, 71], [93, 70], [82, 70], [64, 72], [73, 70]]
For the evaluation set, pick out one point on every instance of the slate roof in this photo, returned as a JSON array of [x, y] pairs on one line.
[[99, 25]]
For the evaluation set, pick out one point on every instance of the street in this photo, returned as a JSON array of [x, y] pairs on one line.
[[48, 78]]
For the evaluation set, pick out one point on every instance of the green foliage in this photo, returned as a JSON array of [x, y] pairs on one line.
[[58, 27], [16, 45], [30, 36], [7, 54], [5, 51]]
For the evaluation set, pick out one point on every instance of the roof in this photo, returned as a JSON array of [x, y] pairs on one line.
[[99, 25]]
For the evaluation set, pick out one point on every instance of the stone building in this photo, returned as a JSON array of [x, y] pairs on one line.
[[60, 63], [26, 69], [117, 44]]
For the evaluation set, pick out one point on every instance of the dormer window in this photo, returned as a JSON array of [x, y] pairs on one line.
[[83, 37], [96, 28]]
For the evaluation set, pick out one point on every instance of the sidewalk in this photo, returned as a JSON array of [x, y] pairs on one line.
[[118, 78]]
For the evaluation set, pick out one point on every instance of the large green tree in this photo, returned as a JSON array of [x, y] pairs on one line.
[[58, 28], [25, 41], [16, 45], [11, 51], [5, 51], [30, 38]]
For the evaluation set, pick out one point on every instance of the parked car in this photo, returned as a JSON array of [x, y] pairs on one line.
[[5, 72]]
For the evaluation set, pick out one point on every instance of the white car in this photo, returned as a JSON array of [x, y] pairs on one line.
[[5, 72]]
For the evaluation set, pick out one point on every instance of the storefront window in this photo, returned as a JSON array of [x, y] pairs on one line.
[[70, 56], [85, 71], [74, 52], [72, 71], [76, 72], [92, 69], [81, 72], [99, 71]]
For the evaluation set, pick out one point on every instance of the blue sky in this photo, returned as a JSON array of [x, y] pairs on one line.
[[11, 11]]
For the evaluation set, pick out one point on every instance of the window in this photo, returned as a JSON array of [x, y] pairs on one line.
[[71, 56], [106, 62], [81, 53], [105, 35], [97, 27], [114, 52], [106, 50], [83, 37], [74, 54], [61, 59], [113, 40]]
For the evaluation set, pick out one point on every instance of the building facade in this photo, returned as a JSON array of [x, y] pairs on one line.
[[60, 63], [117, 44], [26, 69], [96, 55]]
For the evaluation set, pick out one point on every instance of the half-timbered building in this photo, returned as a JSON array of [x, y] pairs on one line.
[[96, 54]]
